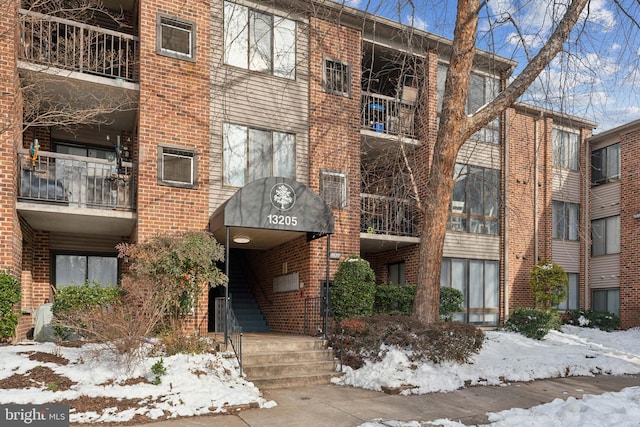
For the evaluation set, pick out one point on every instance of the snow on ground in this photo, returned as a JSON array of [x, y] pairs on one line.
[[200, 384], [507, 357], [193, 384]]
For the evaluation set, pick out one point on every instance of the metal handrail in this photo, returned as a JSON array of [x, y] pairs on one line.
[[387, 115], [388, 215], [76, 181], [234, 333], [62, 43]]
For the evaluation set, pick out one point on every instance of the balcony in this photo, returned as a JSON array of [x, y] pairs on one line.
[[56, 42], [387, 222], [386, 115], [66, 193]]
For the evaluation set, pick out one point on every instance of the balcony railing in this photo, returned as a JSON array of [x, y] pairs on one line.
[[387, 115], [388, 215], [61, 43], [75, 181]]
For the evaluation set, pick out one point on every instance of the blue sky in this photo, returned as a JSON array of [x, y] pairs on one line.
[[598, 76]]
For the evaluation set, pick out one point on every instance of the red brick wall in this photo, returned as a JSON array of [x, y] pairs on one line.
[[334, 140], [174, 111], [10, 140], [520, 209], [630, 230]]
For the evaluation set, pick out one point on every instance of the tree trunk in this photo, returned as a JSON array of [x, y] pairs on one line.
[[451, 135], [455, 127]]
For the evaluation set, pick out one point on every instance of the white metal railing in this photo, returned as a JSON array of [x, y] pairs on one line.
[[387, 115], [62, 43], [76, 181], [388, 215]]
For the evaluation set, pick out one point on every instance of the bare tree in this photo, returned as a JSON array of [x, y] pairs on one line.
[[456, 127], [49, 44]]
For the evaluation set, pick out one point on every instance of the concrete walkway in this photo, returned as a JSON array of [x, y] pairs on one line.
[[335, 406]]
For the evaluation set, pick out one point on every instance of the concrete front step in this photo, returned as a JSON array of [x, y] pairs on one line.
[[287, 357], [263, 345], [276, 361], [274, 370], [294, 381]]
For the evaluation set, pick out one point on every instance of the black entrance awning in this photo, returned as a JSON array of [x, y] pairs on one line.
[[270, 211]]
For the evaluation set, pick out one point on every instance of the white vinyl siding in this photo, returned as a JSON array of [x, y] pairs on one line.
[[605, 200], [566, 254], [605, 271], [467, 245], [257, 100]]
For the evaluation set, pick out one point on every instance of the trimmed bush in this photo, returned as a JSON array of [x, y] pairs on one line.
[[360, 339], [9, 297], [532, 323], [549, 284], [394, 299], [450, 302], [353, 290], [602, 320]]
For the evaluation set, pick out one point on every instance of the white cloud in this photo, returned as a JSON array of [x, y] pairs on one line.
[[416, 22]]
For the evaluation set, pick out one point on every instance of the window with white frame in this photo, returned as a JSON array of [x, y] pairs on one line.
[[605, 236], [565, 220], [571, 302], [395, 273], [606, 300], [478, 280], [78, 269], [177, 167], [482, 90], [176, 37], [259, 41], [605, 165], [475, 204], [333, 188], [566, 146], [251, 154], [336, 77]]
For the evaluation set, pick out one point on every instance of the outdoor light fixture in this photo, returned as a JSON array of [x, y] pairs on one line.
[[335, 255], [241, 239]]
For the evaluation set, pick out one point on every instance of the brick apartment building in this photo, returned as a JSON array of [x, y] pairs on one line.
[[279, 127]]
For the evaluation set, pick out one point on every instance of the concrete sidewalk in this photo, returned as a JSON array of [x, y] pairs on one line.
[[335, 406]]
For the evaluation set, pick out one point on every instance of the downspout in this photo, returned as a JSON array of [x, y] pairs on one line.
[[505, 233], [226, 289], [587, 228], [536, 138], [326, 295]]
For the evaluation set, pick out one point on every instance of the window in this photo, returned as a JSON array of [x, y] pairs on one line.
[[565, 220], [251, 154], [259, 41], [605, 164], [478, 282], [333, 188], [605, 236], [571, 302], [396, 273], [336, 78], [606, 300], [565, 149], [482, 90], [177, 167], [176, 38], [76, 270], [475, 204]]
